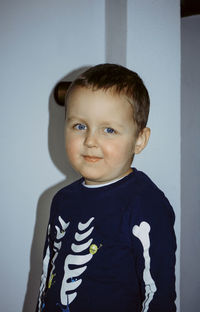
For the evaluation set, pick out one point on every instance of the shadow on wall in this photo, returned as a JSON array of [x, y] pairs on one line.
[[57, 153]]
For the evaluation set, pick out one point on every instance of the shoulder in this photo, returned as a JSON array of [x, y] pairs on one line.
[[65, 195], [68, 190], [152, 212], [150, 201], [144, 185]]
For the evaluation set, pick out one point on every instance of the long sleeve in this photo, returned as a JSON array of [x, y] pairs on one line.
[[47, 255], [155, 245]]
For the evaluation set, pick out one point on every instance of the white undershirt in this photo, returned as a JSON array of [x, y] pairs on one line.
[[100, 185]]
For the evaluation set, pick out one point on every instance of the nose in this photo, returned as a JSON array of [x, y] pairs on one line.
[[91, 139]]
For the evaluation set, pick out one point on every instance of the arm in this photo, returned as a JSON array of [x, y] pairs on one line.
[[46, 262], [155, 246]]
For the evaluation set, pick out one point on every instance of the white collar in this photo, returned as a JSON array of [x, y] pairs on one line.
[[100, 185]]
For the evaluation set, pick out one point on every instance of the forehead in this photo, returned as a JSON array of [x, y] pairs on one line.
[[86, 100]]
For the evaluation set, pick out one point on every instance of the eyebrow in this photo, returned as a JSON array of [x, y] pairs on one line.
[[74, 118]]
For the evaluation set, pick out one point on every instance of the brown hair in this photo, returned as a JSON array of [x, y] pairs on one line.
[[122, 81]]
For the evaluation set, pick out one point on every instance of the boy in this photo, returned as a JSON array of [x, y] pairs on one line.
[[110, 242]]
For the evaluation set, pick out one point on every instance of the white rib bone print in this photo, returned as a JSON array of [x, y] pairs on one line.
[[60, 233], [75, 260], [56, 247], [78, 248], [142, 233], [83, 226]]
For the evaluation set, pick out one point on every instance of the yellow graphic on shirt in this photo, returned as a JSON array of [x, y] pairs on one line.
[[51, 280], [94, 248]]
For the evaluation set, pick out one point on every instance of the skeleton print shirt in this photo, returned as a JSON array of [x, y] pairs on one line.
[[110, 248]]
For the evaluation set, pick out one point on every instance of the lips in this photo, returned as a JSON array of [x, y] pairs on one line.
[[92, 159]]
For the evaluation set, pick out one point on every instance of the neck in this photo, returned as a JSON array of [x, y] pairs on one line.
[[90, 183]]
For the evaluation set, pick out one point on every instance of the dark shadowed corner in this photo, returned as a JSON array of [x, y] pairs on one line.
[[116, 31]]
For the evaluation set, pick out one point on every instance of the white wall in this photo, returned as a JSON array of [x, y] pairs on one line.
[[190, 164], [41, 42]]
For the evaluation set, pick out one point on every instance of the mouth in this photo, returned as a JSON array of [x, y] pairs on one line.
[[92, 159]]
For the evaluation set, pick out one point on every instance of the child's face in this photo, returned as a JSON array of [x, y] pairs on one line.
[[100, 135]]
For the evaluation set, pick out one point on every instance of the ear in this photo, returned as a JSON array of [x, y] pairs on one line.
[[142, 140]]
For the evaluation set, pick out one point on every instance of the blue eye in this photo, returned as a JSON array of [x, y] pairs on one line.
[[80, 127], [109, 130]]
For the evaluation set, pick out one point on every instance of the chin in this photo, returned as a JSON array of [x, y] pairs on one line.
[[93, 179], [91, 175]]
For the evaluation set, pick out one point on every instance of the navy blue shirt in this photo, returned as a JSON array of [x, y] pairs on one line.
[[110, 248]]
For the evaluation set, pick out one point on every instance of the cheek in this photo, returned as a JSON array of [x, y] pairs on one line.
[[118, 151], [72, 145]]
